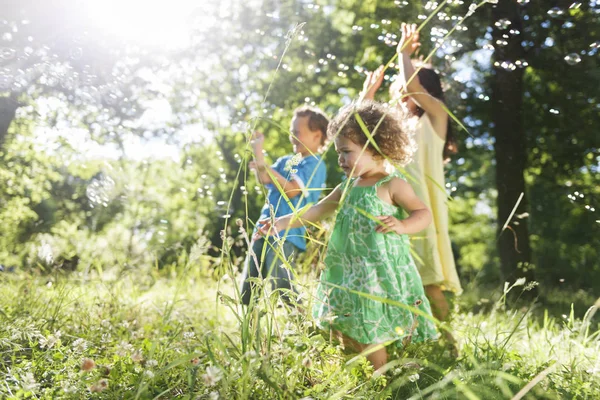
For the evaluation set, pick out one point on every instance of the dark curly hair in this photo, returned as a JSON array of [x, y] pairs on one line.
[[386, 125], [317, 119]]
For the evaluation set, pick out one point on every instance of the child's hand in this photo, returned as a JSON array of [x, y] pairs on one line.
[[258, 166], [257, 139], [390, 224], [269, 227], [409, 42], [372, 83]]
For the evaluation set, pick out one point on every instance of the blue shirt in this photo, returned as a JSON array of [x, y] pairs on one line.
[[310, 174]]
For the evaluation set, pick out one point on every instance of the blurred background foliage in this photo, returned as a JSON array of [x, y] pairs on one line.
[[120, 152]]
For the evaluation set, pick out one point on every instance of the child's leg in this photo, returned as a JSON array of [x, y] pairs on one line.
[[437, 299], [440, 310], [276, 269], [377, 358], [251, 270]]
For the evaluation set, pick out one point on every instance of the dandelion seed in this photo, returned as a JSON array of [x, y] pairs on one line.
[[88, 364]]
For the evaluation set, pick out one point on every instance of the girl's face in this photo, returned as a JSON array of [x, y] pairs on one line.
[[353, 160]]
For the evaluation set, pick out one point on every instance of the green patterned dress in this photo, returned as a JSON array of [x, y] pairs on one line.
[[377, 264]]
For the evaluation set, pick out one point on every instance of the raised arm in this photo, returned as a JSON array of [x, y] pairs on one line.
[[372, 83], [265, 174], [403, 195], [408, 44]]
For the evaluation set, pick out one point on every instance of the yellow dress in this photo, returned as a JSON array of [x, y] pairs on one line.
[[433, 251]]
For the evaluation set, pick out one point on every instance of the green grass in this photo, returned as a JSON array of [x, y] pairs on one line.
[[179, 334]]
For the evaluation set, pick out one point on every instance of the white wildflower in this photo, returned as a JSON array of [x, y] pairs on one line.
[[414, 377], [28, 382], [148, 374], [214, 396], [68, 387], [471, 11], [79, 345], [51, 340], [151, 363], [520, 282], [137, 356], [212, 376], [124, 348]]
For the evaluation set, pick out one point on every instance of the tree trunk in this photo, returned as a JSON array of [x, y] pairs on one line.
[[8, 108], [510, 145]]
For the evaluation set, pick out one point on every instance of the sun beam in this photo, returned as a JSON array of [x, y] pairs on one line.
[[162, 24]]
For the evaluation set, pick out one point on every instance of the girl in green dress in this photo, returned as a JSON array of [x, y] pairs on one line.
[[370, 293]]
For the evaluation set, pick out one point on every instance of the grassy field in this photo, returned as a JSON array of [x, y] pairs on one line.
[[178, 333]]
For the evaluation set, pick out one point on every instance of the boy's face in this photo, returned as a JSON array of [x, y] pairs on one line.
[[351, 157], [302, 138]]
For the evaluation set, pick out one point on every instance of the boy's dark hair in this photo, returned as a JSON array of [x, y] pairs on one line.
[[317, 120], [385, 124]]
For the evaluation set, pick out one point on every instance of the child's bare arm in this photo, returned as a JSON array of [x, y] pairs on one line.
[[408, 44], [403, 195], [322, 209], [265, 174], [372, 83]]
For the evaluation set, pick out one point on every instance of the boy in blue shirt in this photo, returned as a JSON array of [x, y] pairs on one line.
[[302, 177]]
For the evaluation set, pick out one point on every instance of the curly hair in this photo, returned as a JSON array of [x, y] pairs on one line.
[[317, 120], [386, 125]]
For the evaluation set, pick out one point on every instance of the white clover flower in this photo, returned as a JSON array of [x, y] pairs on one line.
[[51, 340], [189, 335], [212, 376], [28, 382], [124, 348], [148, 374], [68, 387], [214, 396], [151, 363], [79, 345]]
